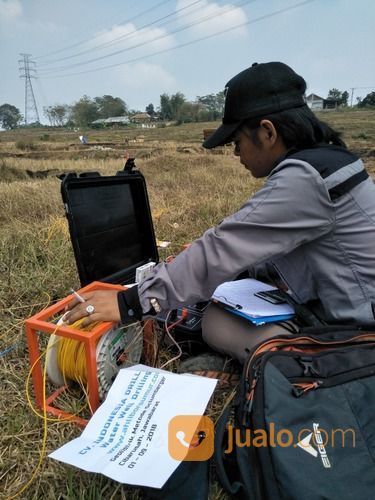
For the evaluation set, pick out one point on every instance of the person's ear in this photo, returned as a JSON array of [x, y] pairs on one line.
[[267, 133]]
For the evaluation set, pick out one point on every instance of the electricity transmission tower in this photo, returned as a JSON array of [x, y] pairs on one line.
[[26, 71]]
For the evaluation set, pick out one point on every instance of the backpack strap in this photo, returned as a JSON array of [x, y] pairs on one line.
[[219, 449], [340, 169], [236, 470]]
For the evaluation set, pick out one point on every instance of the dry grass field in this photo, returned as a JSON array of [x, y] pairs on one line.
[[190, 189]]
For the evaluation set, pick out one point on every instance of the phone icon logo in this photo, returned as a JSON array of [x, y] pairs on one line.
[[180, 435], [191, 437]]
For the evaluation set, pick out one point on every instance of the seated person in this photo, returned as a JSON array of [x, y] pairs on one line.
[[312, 224]]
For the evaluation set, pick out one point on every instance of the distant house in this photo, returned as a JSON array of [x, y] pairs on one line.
[[141, 118], [111, 122], [317, 103]]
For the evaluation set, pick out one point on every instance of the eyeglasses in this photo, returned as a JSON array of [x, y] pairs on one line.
[[236, 144]]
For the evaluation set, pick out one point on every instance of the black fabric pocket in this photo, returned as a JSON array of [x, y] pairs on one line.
[[310, 470]]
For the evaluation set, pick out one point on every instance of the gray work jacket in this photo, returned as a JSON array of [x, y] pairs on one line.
[[313, 220]]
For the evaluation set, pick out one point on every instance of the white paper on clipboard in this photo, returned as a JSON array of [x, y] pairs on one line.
[[238, 296]]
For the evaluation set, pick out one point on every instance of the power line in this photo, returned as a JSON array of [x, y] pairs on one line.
[[191, 42], [229, 8], [160, 37], [91, 38], [122, 37]]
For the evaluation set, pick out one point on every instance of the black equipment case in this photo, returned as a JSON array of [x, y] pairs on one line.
[[110, 224], [112, 234]]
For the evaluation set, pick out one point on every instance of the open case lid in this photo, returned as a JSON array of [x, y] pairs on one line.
[[110, 224]]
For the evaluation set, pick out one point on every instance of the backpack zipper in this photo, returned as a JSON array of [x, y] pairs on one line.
[[250, 391], [278, 345], [300, 388]]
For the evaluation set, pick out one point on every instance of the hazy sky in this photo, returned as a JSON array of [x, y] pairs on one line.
[[329, 42]]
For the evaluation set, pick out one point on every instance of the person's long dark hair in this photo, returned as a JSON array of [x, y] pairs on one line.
[[299, 128]]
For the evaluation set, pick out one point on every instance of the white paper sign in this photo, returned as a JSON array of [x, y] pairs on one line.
[[127, 437]]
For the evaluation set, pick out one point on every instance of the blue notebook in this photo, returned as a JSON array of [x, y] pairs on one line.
[[238, 297]]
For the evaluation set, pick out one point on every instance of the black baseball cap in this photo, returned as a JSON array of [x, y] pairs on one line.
[[257, 91]]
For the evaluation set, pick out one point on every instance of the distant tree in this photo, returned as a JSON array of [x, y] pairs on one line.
[[344, 98], [334, 94], [213, 105], [189, 112], [110, 106], [340, 97], [48, 113], [165, 107], [220, 99], [58, 115], [369, 100], [10, 116], [84, 111], [177, 100], [150, 109], [170, 106]]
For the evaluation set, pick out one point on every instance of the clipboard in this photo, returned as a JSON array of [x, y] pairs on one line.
[[238, 297]]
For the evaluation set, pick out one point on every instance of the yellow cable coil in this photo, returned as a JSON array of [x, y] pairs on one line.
[[71, 356]]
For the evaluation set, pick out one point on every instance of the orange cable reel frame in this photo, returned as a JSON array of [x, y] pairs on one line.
[[105, 350]]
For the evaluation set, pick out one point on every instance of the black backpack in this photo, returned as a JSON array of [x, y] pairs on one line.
[[302, 424]]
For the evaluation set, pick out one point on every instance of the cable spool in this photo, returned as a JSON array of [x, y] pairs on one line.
[[116, 349]]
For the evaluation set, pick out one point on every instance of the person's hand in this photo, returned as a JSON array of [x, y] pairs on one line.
[[101, 305]]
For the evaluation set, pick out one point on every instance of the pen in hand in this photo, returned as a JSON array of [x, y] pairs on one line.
[[77, 295]]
